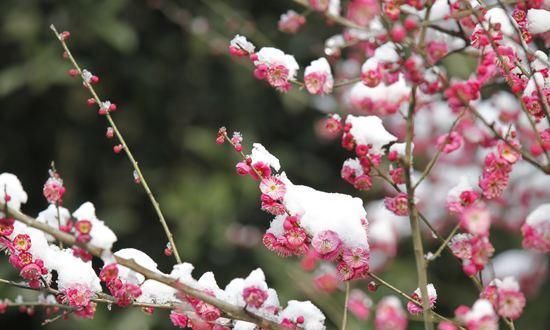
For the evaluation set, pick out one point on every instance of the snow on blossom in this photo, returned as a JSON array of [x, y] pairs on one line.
[[375, 99], [53, 189], [386, 53], [101, 235], [312, 317], [369, 130], [11, 191], [252, 291], [416, 308], [240, 46], [400, 148], [320, 211], [318, 77], [506, 297], [500, 16], [528, 267], [480, 316], [259, 154], [536, 229], [538, 20], [71, 270], [461, 195], [276, 66], [390, 314], [141, 259]]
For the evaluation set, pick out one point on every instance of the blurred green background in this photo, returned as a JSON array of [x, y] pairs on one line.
[[165, 64]]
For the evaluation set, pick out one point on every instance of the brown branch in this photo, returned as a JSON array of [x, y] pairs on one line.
[[234, 312], [119, 136]]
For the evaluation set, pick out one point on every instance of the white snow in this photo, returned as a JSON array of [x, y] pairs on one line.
[[10, 184], [273, 56], [260, 154], [463, 185], [370, 130], [322, 211], [386, 53], [538, 20], [49, 217], [400, 148], [539, 215], [481, 308], [398, 90], [313, 317], [102, 236], [140, 258], [432, 293], [241, 42]]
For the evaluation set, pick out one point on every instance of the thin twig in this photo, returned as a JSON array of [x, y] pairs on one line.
[[345, 316], [434, 160], [406, 296], [125, 146], [444, 244]]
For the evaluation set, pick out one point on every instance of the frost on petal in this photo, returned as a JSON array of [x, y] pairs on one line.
[[271, 57], [499, 15], [241, 45], [400, 148], [369, 130], [482, 310], [313, 317], [538, 20], [536, 229], [260, 154], [71, 270], [140, 258], [382, 99], [102, 236], [320, 211], [318, 77], [386, 53], [432, 293], [10, 185]]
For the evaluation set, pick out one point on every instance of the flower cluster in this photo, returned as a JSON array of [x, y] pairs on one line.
[[53, 188], [536, 229], [332, 226], [497, 168], [474, 251], [416, 308], [506, 297]]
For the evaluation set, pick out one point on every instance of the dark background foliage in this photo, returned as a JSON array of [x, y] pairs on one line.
[[165, 64]]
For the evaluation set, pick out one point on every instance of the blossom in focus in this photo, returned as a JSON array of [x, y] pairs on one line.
[[318, 77], [416, 308]]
